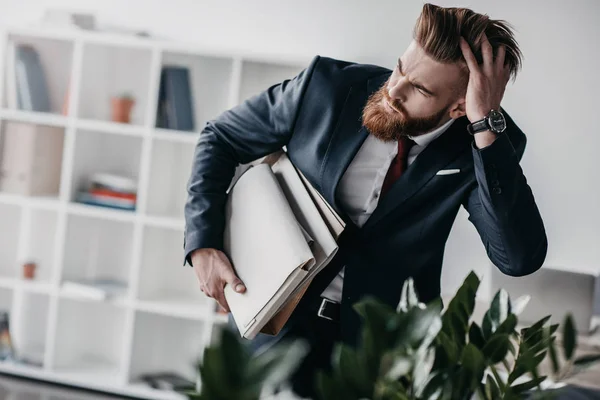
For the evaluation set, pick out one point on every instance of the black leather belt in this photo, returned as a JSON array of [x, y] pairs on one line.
[[329, 310]]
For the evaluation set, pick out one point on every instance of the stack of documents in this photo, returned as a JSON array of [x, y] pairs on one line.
[[279, 234]]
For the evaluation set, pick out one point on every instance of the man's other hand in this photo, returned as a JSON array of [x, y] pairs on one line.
[[214, 271]]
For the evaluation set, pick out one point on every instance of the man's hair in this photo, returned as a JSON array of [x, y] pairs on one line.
[[438, 31]]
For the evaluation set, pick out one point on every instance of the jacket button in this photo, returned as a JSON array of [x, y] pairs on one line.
[[495, 182], [497, 190]]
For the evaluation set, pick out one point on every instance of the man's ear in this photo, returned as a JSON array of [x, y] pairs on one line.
[[458, 109]]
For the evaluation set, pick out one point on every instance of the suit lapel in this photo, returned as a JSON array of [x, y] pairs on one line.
[[346, 140], [436, 155]]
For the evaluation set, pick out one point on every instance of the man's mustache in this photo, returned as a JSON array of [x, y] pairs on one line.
[[394, 103]]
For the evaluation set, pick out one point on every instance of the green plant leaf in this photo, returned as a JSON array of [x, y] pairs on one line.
[[588, 359], [535, 328], [523, 387], [473, 366], [326, 387], [569, 337], [492, 391], [400, 366], [498, 312], [553, 358], [476, 336], [496, 349], [280, 361], [519, 304], [408, 298], [584, 362], [435, 385], [448, 347], [456, 317], [424, 359], [500, 308], [351, 369], [416, 325], [508, 326]]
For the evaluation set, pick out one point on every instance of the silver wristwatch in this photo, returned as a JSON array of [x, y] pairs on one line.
[[494, 121]]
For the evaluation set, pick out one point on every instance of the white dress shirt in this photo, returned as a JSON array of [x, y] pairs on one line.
[[359, 188]]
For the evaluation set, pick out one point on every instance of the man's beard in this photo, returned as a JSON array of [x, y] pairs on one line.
[[388, 126]]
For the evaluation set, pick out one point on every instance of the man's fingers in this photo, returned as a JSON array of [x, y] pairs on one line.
[[469, 56], [488, 55], [231, 279], [220, 298], [500, 56]]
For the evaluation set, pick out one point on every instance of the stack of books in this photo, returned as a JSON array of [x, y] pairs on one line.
[[111, 191]]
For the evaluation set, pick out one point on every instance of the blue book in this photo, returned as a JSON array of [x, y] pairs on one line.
[[32, 87], [175, 102]]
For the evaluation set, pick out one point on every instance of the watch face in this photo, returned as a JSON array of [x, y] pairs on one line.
[[497, 121]]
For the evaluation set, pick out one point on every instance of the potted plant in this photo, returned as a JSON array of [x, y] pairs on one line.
[[121, 106], [417, 352]]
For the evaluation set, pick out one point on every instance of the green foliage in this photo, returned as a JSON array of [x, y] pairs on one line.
[[423, 352], [414, 352], [228, 371]]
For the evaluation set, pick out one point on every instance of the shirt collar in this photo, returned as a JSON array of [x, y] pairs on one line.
[[425, 139]]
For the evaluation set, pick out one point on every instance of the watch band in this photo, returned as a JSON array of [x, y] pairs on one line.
[[478, 126]]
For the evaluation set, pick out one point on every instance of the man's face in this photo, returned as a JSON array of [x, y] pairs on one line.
[[420, 95]]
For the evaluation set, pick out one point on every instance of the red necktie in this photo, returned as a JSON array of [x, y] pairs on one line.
[[398, 165]]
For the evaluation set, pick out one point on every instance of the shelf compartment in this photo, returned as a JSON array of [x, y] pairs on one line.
[[98, 152], [55, 58], [31, 158], [89, 342], [163, 343], [113, 71], [164, 284], [41, 241], [28, 328], [210, 81], [10, 215], [97, 248], [258, 76], [170, 170]]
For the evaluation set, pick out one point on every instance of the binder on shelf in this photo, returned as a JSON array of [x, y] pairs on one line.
[[30, 80], [175, 101]]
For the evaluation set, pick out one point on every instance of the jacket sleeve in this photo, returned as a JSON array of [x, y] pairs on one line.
[[502, 206], [255, 128]]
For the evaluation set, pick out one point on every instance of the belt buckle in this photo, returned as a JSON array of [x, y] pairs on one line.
[[322, 308]]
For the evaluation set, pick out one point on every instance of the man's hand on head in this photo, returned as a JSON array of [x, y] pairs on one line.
[[487, 83]]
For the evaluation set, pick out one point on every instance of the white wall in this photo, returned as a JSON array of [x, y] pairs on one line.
[[554, 100]]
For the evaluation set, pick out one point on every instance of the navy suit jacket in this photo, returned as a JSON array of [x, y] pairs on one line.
[[317, 115]]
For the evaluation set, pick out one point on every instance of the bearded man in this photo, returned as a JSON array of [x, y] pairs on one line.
[[396, 154]]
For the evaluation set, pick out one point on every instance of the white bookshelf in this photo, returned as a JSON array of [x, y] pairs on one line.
[[163, 322]]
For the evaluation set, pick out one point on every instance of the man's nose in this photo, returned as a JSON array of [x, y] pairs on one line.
[[397, 90]]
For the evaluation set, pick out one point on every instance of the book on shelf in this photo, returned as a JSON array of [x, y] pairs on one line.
[[279, 234], [95, 289], [107, 190], [175, 101], [27, 86]]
